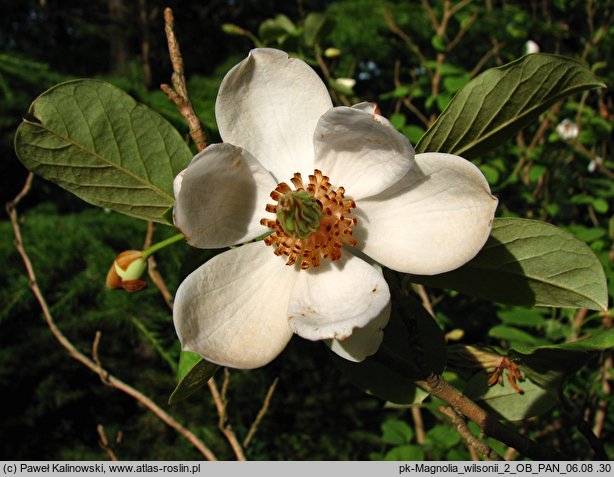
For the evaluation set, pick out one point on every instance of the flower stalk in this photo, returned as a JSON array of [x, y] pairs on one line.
[[160, 245]]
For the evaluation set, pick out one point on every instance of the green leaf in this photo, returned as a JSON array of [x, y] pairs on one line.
[[438, 43], [530, 263], [397, 120], [505, 401], [94, 140], [413, 347], [492, 174], [313, 25], [194, 372], [413, 133], [454, 83], [396, 432], [277, 28], [501, 101], [443, 436], [549, 366], [512, 334], [405, 453], [522, 317]]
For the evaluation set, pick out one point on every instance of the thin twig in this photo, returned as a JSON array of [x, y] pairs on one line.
[[329, 79], [104, 442], [510, 454], [179, 95], [222, 423], [152, 268], [461, 33], [576, 325], [472, 441], [407, 99], [437, 386], [602, 404], [394, 28], [263, 410], [424, 297], [575, 415], [225, 385], [416, 414], [78, 355]]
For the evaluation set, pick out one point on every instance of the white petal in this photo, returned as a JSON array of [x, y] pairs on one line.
[[367, 107], [434, 220], [330, 301], [233, 309], [221, 197], [364, 342], [270, 104], [360, 151]]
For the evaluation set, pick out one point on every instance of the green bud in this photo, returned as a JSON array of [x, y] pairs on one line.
[[134, 270], [126, 271]]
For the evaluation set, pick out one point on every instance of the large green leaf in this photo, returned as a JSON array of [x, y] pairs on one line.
[[193, 373], [508, 403], [530, 263], [549, 366], [413, 347], [94, 140], [396, 432], [501, 101]]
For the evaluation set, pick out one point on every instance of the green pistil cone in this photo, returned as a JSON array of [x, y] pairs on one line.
[[299, 214]]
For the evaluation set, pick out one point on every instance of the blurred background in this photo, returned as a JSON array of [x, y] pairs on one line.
[[409, 56]]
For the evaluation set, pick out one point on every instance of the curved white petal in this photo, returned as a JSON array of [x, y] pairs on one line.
[[233, 309], [434, 220], [221, 196], [360, 151], [363, 342], [330, 301], [270, 104], [367, 107]]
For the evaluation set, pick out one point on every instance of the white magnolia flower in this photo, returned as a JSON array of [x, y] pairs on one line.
[[567, 130], [357, 191]]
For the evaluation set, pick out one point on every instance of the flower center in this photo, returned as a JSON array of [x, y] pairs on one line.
[[299, 214], [312, 221]]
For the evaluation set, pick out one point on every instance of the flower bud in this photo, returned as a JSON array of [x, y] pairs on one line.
[[126, 271], [531, 47], [332, 52], [567, 130]]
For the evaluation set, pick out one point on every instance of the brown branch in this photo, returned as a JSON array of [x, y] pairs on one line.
[[394, 28], [179, 95], [407, 99], [416, 415], [602, 404], [424, 297], [431, 14], [261, 413], [104, 442], [437, 386], [220, 404], [461, 32], [78, 355], [472, 441], [152, 268], [576, 417], [480, 64], [576, 325], [340, 98], [459, 6]]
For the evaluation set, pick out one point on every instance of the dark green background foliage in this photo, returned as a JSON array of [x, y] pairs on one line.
[[52, 404]]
